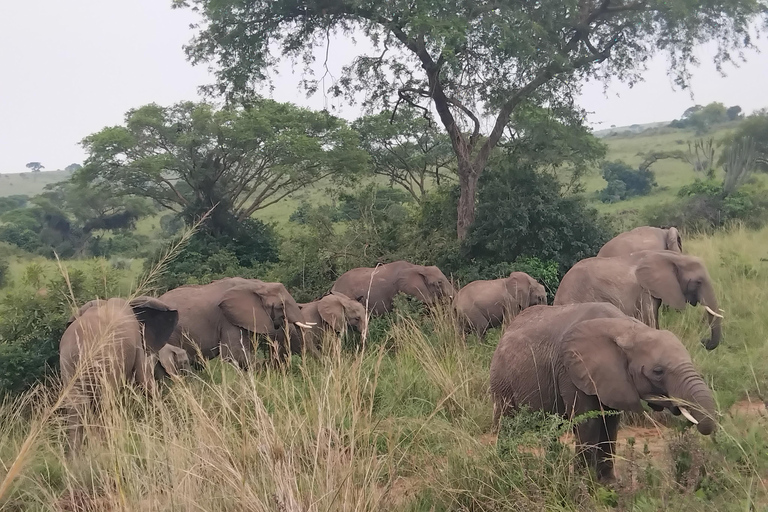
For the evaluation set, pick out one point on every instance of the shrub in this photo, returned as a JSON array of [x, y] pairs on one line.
[[625, 182], [522, 214], [207, 256]]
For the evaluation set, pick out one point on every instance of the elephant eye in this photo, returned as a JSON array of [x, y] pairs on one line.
[[658, 371]]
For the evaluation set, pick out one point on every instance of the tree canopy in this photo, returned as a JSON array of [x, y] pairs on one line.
[[407, 148], [467, 60], [35, 166], [192, 156]]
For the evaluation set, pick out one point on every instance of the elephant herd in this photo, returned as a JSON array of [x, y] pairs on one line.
[[598, 347]]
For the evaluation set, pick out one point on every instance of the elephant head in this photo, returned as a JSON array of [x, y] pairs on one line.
[[678, 279], [172, 360], [261, 308], [428, 284], [157, 319], [526, 290], [339, 311], [622, 361]]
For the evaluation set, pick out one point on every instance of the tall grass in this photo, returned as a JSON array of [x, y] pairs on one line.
[[403, 424]]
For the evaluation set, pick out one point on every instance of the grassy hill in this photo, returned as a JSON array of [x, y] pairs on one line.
[[29, 183]]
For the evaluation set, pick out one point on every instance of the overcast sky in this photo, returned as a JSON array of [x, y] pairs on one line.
[[69, 68]]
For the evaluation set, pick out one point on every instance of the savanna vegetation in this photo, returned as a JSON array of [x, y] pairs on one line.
[[401, 419]]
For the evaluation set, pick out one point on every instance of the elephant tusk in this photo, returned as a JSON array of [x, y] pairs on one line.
[[307, 325], [709, 310], [685, 412]]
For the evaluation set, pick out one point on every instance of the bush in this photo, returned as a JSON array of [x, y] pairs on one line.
[[625, 182], [521, 214], [208, 256], [704, 208], [5, 276]]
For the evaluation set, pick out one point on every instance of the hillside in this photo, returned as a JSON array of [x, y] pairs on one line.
[[29, 183]]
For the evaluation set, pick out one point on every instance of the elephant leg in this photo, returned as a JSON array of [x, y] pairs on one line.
[[596, 444], [237, 348], [144, 371], [73, 421]]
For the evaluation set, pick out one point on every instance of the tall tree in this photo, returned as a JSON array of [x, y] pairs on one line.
[[191, 156], [469, 59], [35, 166], [407, 148]]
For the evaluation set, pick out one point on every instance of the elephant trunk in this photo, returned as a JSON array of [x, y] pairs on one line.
[[695, 397], [715, 322]]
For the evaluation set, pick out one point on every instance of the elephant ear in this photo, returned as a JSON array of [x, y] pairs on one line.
[[597, 363], [242, 306], [658, 273], [331, 310], [674, 240], [519, 286], [85, 307], [157, 319]]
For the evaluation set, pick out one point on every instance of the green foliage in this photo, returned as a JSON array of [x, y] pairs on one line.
[[407, 148], [241, 251], [12, 203], [625, 182], [191, 157], [522, 214], [33, 318], [702, 119], [703, 207], [5, 276], [754, 127]]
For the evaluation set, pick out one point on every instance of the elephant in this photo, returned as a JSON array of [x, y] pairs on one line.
[[638, 284], [221, 317], [333, 312], [642, 239], [110, 342], [482, 305], [569, 360], [171, 361], [376, 288]]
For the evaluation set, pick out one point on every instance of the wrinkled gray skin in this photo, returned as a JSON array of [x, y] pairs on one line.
[[171, 361], [640, 283], [584, 357], [334, 312], [644, 238], [376, 288], [221, 318], [482, 305], [112, 341]]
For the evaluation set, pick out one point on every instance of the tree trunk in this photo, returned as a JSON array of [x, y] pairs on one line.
[[468, 178]]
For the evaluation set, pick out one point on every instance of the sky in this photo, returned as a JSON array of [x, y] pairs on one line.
[[68, 69]]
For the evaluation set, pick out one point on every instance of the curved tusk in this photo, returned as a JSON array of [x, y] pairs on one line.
[[685, 412], [709, 310], [307, 325]]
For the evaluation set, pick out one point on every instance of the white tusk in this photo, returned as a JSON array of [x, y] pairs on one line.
[[688, 415], [307, 325], [709, 310]]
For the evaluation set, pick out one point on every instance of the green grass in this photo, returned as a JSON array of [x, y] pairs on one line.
[[29, 183]]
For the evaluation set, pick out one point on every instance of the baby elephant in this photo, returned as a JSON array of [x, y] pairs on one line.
[[171, 361], [334, 312], [110, 342], [482, 305], [570, 360]]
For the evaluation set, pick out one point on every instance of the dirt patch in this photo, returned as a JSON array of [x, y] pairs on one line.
[[749, 409]]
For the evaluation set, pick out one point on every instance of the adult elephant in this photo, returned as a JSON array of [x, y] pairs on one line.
[[221, 318], [570, 360], [642, 239], [482, 305], [638, 284], [334, 312], [110, 342], [376, 288]]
